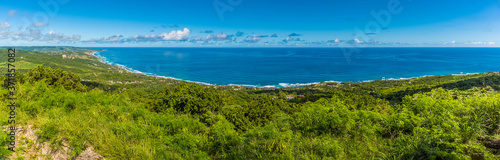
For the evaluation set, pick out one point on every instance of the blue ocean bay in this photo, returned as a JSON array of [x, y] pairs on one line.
[[295, 66]]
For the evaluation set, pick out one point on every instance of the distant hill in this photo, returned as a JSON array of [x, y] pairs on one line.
[[50, 48]]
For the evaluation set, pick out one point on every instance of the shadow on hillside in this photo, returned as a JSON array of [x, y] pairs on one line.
[[93, 85], [309, 95], [493, 81]]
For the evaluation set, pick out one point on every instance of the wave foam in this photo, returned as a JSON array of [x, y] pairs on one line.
[[279, 85]]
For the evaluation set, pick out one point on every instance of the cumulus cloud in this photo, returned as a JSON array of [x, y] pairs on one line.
[[358, 41], [113, 38], [30, 34], [335, 41], [207, 38], [208, 31], [176, 35], [354, 41], [12, 13], [60, 37], [197, 38], [254, 39], [34, 34], [4, 34], [222, 36], [480, 43], [4, 25], [142, 38], [291, 39], [329, 42], [179, 35], [210, 37]]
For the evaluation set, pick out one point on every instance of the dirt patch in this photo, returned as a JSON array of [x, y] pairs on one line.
[[29, 146], [495, 144], [89, 154]]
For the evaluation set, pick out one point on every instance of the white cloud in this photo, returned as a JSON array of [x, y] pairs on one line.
[[179, 35], [207, 38], [253, 39], [30, 34], [176, 35], [4, 25], [222, 36], [218, 37], [34, 34], [60, 37], [197, 38], [4, 34], [113, 38], [475, 42], [288, 38], [12, 13], [358, 41], [479, 43]]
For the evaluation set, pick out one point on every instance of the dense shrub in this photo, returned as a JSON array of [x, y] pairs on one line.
[[55, 77]]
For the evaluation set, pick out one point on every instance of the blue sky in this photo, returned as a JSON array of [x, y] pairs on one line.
[[250, 23]]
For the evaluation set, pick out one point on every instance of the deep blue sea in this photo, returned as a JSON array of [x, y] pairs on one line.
[[266, 67]]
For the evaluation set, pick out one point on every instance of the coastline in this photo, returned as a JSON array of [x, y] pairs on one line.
[[102, 59]]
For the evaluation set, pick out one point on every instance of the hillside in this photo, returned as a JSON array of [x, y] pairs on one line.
[[71, 105]]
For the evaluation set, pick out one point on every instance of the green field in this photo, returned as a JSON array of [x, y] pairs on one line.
[[79, 102]]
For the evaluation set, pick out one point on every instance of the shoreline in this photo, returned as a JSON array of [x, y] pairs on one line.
[[102, 59]]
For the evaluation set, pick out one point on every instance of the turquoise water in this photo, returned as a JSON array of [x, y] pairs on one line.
[[276, 67]]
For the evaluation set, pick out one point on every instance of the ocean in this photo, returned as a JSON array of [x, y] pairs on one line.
[[283, 67]]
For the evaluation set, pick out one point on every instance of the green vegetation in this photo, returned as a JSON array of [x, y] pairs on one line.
[[50, 49], [74, 100]]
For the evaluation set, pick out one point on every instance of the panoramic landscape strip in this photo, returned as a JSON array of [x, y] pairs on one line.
[[69, 99], [259, 79]]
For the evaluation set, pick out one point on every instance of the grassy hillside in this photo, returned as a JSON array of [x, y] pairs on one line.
[[50, 49], [87, 104]]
